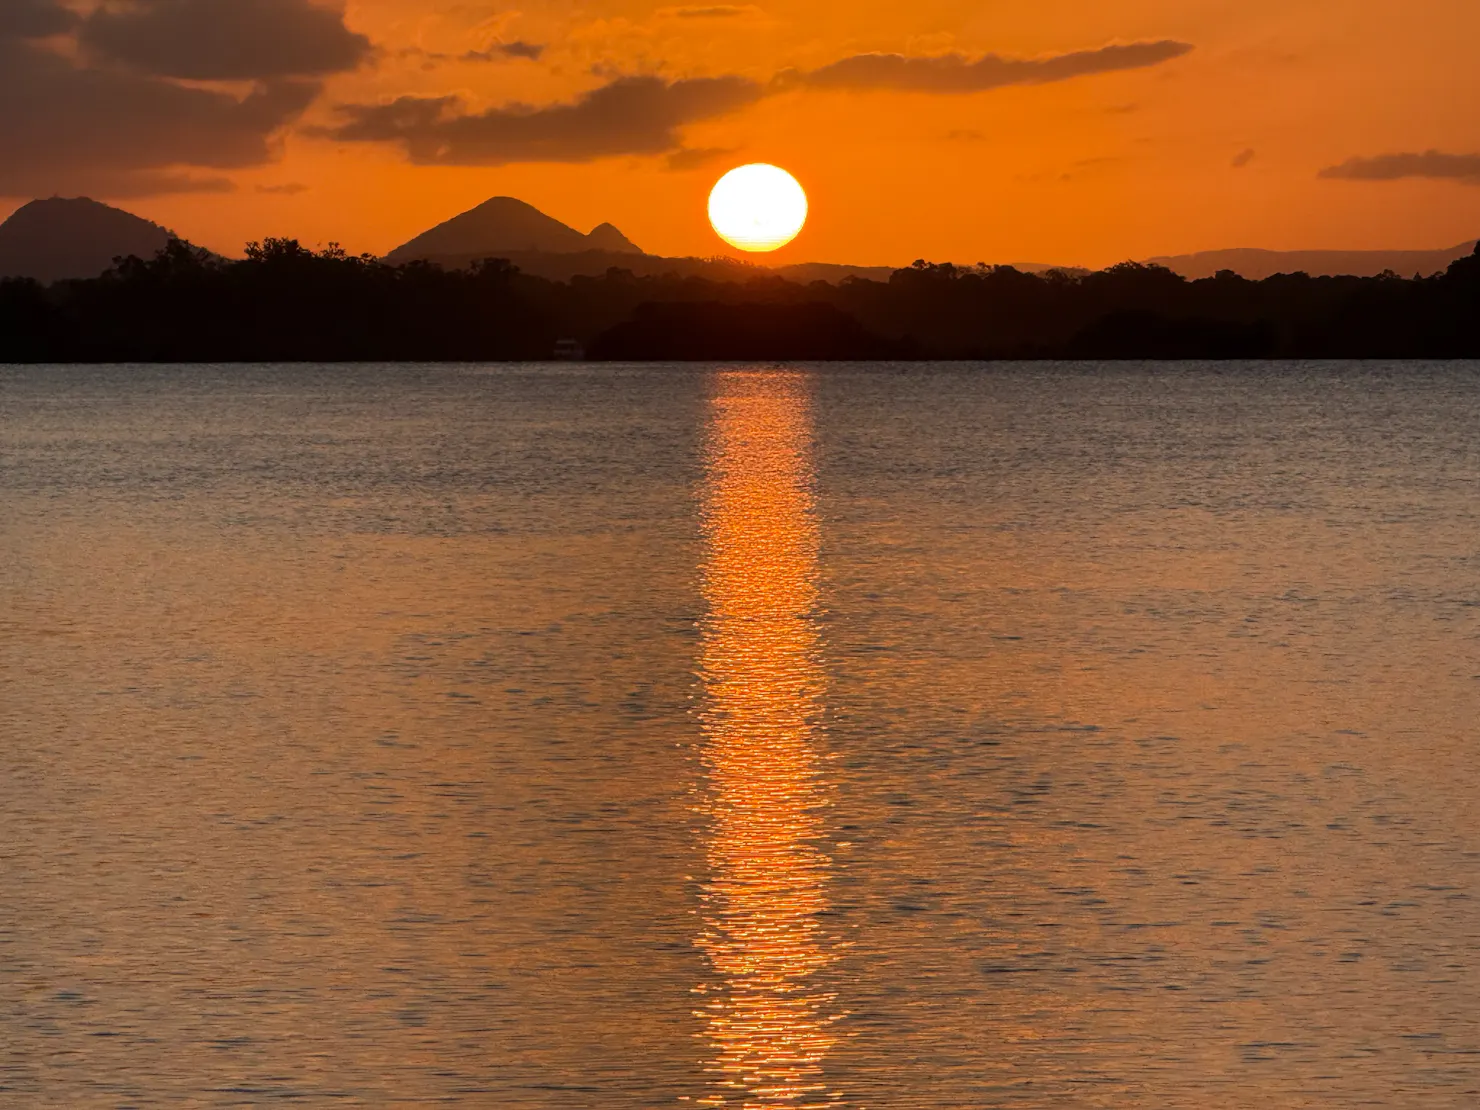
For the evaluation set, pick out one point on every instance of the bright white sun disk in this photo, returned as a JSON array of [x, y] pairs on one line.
[[758, 207]]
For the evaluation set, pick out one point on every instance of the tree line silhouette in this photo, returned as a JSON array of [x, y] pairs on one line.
[[284, 302]]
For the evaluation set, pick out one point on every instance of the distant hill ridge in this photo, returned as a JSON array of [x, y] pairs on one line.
[[562, 266], [503, 225], [1256, 264], [59, 238]]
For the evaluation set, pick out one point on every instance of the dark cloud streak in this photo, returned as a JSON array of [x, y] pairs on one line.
[[519, 49], [954, 73], [1432, 164], [631, 115], [693, 158], [498, 52], [713, 11]]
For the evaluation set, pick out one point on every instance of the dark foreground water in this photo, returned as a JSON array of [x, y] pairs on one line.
[[894, 737]]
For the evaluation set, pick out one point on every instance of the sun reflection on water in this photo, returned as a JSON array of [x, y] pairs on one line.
[[768, 1019]]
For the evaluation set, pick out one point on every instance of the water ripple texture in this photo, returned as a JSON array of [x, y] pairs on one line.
[[896, 737]]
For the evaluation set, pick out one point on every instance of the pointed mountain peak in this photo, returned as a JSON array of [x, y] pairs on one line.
[[498, 224], [605, 237], [509, 205], [509, 225]]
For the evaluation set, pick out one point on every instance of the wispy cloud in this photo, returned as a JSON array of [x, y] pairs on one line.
[[955, 73], [1432, 164], [1242, 159], [711, 11]]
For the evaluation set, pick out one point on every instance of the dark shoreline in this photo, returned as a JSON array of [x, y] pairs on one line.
[[287, 304]]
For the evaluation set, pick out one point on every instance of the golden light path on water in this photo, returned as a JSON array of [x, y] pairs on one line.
[[766, 1016]]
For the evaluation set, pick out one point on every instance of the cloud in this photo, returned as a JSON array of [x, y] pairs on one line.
[[34, 19], [711, 11], [1432, 164], [224, 40], [501, 51], [498, 52], [288, 189], [954, 73], [1242, 159], [64, 128], [643, 115], [693, 158], [517, 49], [631, 115]]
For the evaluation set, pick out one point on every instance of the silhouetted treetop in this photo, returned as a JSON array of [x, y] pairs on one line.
[[285, 301]]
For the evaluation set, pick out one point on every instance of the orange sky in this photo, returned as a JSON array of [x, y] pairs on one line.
[[1085, 170]]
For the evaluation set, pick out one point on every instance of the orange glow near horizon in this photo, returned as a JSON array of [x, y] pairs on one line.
[[1222, 145], [765, 1014]]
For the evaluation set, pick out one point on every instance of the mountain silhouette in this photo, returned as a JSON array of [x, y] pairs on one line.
[[605, 237], [59, 239], [1257, 264], [503, 226]]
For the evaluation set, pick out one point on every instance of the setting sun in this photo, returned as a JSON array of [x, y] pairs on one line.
[[758, 207]]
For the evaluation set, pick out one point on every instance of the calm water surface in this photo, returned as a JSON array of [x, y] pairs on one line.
[[860, 736]]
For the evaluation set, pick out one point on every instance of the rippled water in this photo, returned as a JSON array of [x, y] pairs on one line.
[[865, 736]]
